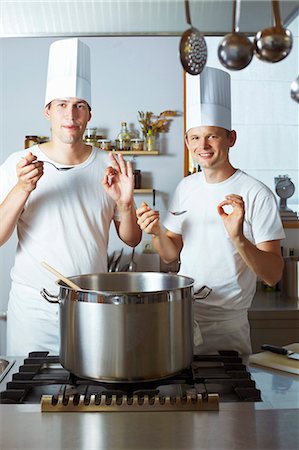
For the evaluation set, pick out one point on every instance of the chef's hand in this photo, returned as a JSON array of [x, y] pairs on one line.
[[118, 181], [233, 221], [148, 219], [29, 172]]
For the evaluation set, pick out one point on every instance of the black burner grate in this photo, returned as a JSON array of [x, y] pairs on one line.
[[223, 374]]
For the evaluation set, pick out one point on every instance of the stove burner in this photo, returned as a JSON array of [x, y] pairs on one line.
[[210, 379]]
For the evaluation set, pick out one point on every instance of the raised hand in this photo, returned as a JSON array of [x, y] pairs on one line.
[[29, 172], [233, 221], [118, 180], [148, 219]]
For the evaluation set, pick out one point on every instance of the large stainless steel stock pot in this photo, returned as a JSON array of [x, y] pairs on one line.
[[125, 326]]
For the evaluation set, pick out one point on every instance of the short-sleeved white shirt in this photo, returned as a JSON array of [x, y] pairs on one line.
[[208, 255]]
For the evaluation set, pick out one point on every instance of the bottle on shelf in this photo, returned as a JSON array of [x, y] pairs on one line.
[[123, 138], [150, 140]]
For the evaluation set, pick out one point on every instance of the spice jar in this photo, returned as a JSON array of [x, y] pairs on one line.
[[31, 140], [104, 144], [122, 145], [91, 133], [137, 179], [137, 144]]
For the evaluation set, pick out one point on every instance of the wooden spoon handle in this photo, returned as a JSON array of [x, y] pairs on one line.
[[61, 277]]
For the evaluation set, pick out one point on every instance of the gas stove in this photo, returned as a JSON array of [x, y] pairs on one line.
[[210, 380]]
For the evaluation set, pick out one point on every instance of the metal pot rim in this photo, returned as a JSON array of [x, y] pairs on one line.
[[189, 283]]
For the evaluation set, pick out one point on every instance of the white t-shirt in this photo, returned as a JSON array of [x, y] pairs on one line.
[[208, 255], [66, 223]]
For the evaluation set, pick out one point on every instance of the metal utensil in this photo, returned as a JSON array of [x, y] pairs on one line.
[[110, 262], [280, 351], [177, 213], [57, 168], [295, 90], [68, 282], [235, 50], [275, 43], [116, 266], [132, 265], [193, 47]]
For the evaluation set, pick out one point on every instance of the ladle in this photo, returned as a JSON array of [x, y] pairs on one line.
[[61, 277], [295, 90], [275, 43], [193, 47], [235, 50]]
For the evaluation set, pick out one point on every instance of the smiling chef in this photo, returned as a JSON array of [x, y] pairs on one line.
[[62, 217], [231, 232]]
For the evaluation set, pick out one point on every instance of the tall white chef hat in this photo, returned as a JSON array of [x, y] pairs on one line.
[[68, 71], [208, 99]]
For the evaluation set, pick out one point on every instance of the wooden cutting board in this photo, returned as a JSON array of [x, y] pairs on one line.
[[275, 361]]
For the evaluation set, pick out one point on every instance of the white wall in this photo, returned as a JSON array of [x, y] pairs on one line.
[[131, 74]]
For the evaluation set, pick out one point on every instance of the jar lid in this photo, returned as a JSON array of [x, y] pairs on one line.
[[137, 140], [104, 140]]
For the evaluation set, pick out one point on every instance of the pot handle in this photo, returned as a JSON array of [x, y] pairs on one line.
[[203, 292], [49, 297]]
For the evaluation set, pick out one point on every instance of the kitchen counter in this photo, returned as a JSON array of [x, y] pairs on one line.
[[275, 304], [271, 424], [273, 319]]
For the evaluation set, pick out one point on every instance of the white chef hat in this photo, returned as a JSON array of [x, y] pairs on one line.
[[68, 71], [208, 99]]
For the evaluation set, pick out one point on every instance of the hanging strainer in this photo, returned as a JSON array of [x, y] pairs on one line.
[[193, 47]]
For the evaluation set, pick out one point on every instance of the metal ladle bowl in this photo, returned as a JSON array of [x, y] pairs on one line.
[[235, 50], [295, 90], [275, 43]]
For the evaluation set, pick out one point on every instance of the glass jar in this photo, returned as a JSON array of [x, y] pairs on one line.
[[31, 140], [123, 138], [91, 133], [104, 144], [137, 144], [150, 140], [137, 179], [122, 144]]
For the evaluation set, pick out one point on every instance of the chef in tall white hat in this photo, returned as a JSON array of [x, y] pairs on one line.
[[62, 210], [230, 231], [208, 101]]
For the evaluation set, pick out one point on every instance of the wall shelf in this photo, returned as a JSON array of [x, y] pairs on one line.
[[290, 224], [136, 152], [143, 191]]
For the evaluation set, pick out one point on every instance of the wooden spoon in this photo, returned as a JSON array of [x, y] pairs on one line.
[[61, 277]]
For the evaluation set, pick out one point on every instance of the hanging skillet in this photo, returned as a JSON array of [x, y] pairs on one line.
[[193, 47]]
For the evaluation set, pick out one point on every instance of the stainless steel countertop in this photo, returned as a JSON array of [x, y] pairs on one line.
[[271, 424], [273, 305]]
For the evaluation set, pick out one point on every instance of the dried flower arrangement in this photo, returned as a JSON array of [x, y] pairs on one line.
[[158, 123]]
